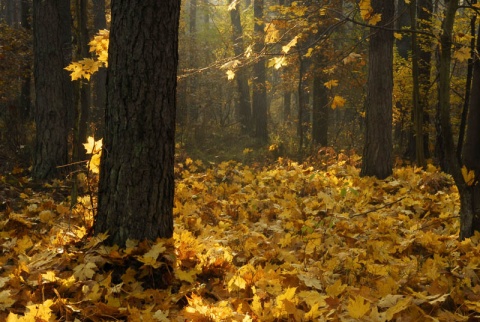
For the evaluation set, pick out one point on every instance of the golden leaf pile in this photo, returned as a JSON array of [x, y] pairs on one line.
[[285, 242]]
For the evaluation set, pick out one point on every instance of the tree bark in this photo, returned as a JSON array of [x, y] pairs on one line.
[[82, 104], [53, 88], [259, 96], [244, 103], [99, 79], [377, 153], [136, 185], [320, 112]]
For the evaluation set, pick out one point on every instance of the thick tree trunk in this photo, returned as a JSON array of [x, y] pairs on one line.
[[259, 96], [470, 195], [377, 153], [53, 88], [137, 177], [471, 150], [244, 103]]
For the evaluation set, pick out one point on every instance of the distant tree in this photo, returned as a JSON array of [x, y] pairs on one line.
[[377, 153], [137, 176], [259, 92], [244, 103], [53, 89]]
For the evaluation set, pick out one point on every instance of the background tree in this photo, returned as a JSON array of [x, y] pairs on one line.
[[377, 154], [259, 91], [53, 89], [136, 180], [244, 109]]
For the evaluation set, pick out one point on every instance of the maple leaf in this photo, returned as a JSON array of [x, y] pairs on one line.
[[6, 300], [337, 101], [358, 307], [84, 271], [150, 257], [462, 54], [230, 74], [468, 176], [290, 44], [39, 312], [336, 288], [331, 83], [93, 146]]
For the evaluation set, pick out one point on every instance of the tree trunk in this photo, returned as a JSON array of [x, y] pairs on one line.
[[418, 112], [136, 185], [244, 103], [320, 112], [259, 96], [25, 94], [471, 150], [377, 153], [470, 195], [53, 88], [99, 79], [82, 106]]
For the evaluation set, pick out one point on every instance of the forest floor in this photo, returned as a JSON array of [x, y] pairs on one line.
[[284, 242]]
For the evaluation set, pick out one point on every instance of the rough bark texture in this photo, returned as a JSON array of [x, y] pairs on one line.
[[53, 88], [377, 154], [136, 180], [259, 95]]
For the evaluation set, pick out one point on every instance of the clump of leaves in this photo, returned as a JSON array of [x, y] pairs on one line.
[[282, 242]]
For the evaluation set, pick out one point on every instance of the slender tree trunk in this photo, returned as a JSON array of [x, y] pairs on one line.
[[82, 106], [259, 97], [244, 104], [320, 112], [99, 79], [25, 94], [377, 153], [136, 186], [418, 112], [53, 88], [287, 105]]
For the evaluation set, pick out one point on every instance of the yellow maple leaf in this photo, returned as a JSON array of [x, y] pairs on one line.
[[337, 101], [331, 83], [6, 300], [230, 74], [49, 277], [288, 295], [92, 146], [189, 276], [39, 312], [358, 307], [462, 54], [84, 271], [365, 9], [398, 307], [150, 257], [374, 19], [336, 288], [291, 44], [468, 176]]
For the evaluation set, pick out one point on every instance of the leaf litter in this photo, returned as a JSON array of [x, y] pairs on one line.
[[285, 242]]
